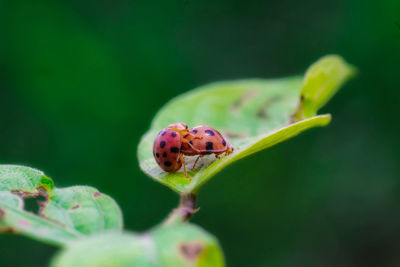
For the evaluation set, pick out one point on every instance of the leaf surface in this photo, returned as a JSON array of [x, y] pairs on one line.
[[252, 114]]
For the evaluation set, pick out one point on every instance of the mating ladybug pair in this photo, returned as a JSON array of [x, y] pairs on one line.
[[177, 140]]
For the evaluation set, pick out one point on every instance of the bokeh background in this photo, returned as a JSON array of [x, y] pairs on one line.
[[81, 80]]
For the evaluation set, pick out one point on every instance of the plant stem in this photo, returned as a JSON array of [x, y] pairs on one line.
[[185, 210]]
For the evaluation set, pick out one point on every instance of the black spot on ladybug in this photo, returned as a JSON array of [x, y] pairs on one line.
[[173, 134], [223, 142], [195, 131], [162, 144], [168, 163], [209, 146], [164, 154], [209, 132], [163, 133], [157, 155], [190, 142], [174, 149]]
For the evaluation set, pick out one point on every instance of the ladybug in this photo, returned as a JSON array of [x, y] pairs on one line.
[[204, 140], [167, 150], [167, 147], [177, 140]]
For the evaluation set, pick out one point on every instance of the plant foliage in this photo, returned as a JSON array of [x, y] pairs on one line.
[[253, 114]]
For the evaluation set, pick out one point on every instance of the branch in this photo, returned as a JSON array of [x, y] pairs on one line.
[[185, 210]]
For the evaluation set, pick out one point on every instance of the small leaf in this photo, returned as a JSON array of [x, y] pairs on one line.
[[64, 213], [179, 245], [253, 115]]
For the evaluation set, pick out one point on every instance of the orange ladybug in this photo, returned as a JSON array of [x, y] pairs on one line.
[[177, 140], [167, 150], [203, 140], [167, 147]]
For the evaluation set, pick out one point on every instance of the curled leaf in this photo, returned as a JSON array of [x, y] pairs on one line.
[[252, 114]]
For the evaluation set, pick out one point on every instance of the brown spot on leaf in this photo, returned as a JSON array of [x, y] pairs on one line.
[[298, 110], [191, 250], [262, 111], [96, 194], [74, 207], [2, 214], [243, 99]]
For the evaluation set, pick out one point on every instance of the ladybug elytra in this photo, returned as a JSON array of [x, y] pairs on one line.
[[167, 150], [205, 140]]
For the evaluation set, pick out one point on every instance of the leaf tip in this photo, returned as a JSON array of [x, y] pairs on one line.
[[321, 82]]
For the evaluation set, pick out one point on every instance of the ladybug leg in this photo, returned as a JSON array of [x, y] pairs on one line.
[[184, 166], [217, 156], [228, 151], [190, 145], [194, 165]]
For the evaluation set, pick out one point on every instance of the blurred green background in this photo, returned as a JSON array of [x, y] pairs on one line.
[[80, 82]]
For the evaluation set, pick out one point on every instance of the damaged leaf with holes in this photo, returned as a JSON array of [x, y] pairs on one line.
[[252, 114], [177, 245], [64, 214]]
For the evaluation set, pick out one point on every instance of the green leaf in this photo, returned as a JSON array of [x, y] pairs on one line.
[[253, 114], [322, 80], [64, 214], [178, 245]]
